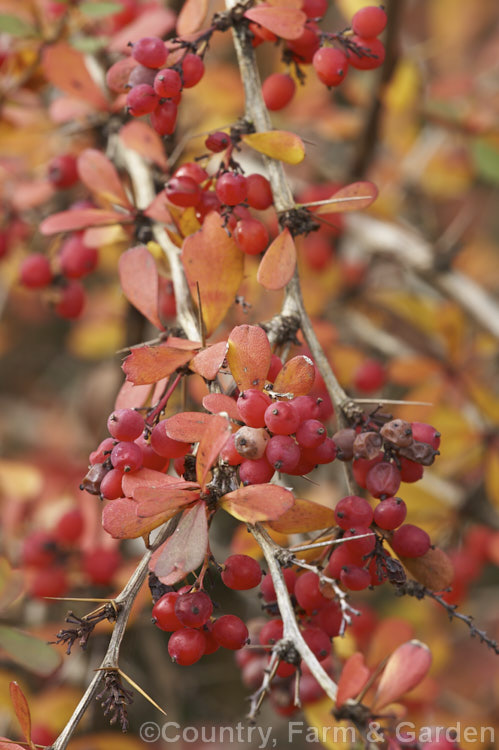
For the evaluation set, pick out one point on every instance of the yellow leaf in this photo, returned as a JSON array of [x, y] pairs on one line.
[[19, 480], [335, 735], [277, 144]]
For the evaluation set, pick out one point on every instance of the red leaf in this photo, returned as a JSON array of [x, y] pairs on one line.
[[147, 364], [132, 396], [153, 500], [296, 377], [185, 550], [258, 502], [69, 221], [65, 68], [158, 209], [249, 356], [191, 16], [278, 264], [208, 362], [156, 22], [140, 137], [304, 516], [213, 260], [219, 402], [135, 480], [354, 677], [120, 520], [404, 670], [21, 709], [99, 175], [188, 427], [118, 74], [287, 23], [352, 197], [215, 436], [140, 282]]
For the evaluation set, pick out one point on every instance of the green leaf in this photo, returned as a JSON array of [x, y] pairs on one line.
[[16, 26], [89, 45], [486, 159], [30, 652], [99, 10]]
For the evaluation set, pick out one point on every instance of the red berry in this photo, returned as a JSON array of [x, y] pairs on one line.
[[361, 467], [390, 513], [355, 578], [230, 632], [353, 510], [369, 21], [321, 454], [383, 480], [111, 487], [72, 301], [69, 527], [39, 549], [77, 259], [307, 407], [307, 44], [241, 572], [278, 90], [164, 445], [229, 453], [193, 609], [141, 74], [359, 548], [410, 541], [410, 471], [150, 51], [217, 141], [167, 83], [283, 453], [329, 618], [259, 192], [370, 376], [186, 646], [62, 171], [267, 584], [183, 191], [102, 452], [340, 556], [317, 251], [151, 459], [192, 70], [331, 65], [49, 582], [251, 236], [163, 612], [275, 368], [126, 456], [192, 170], [311, 433], [425, 433], [251, 406], [100, 564], [125, 424], [282, 418], [314, 8], [43, 735], [141, 100], [308, 593], [271, 632], [370, 53], [179, 465], [318, 642], [35, 271], [164, 117], [310, 690], [255, 472], [231, 188]]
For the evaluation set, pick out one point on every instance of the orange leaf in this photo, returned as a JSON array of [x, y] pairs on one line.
[[69, 221], [120, 519], [296, 377], [434, 569], [304, 516], [390, 633], [277, 144], [212, 259], [191, 16], [287, 23], [132, 396], [354, 677], [278, 264], [405, 669], [139, 281], [140, 137], [412, 370], [257, 502], [249, 356], [135, 480], [215, 436], [158, 209], [147, 364], [185, 550], [353, 197], [154, 500], [188, 427], [21, 709], [99, 175], [65, 68], [219, 402], [208, 362]]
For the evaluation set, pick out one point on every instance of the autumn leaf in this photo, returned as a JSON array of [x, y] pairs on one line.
[[188, 427], [219, 402], [279, 262], [21, 709], [215, 436], [157, 21], [257, 502], [353, 679], [140, 137], [99, 175], [353, 197], [118, 74], [277, 144], [191, 16], [134, 480], [184, 550], [303, 516], [296, 377], [65, 68], [139, 281], [147, 364], [208, 362], [29, 652], [288, 23], [70, 221], [120, 519], [434, 569], [155, 500], [249, 356], [405, 669], [213, 261]]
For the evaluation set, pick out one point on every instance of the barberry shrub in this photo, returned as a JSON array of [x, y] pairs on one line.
[[235, 401]]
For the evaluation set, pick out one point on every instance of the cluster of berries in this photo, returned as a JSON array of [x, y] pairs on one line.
[[187, 615], [360, 49], [284, 436], [46, 555], [155, 89]]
